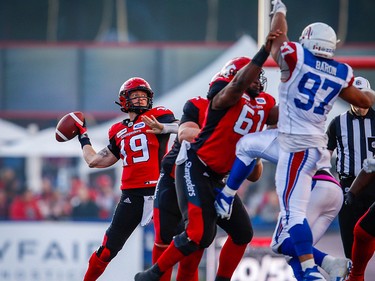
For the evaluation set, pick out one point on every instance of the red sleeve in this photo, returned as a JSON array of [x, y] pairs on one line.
[[289, 54]]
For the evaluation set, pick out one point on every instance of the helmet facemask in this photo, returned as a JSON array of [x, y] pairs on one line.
[[127, 103], [252, 92]]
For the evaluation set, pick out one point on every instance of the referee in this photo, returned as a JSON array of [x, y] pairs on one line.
[[353, 135]]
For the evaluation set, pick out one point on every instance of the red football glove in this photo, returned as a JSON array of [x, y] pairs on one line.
[[83, 137], [81, 126]]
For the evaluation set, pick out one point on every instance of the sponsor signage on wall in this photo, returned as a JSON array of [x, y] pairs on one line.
[[60, 251]]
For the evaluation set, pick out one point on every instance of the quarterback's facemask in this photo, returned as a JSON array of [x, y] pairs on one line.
[[129, 104]]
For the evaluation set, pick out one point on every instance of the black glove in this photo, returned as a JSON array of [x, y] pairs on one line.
[[349, 198]]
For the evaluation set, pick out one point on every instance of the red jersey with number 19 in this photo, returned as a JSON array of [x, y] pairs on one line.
[[140, 152], [216, 143]]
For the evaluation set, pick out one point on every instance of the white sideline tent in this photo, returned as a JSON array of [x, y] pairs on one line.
[[10, 132]]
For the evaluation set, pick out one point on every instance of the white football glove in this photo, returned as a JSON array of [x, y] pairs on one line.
[[278, 7], [224, 202], [369, 165]]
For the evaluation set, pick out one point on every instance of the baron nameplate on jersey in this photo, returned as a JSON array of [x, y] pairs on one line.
[[66, 128]]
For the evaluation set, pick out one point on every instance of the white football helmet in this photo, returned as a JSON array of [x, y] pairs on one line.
[[320, 39], [361, 83]]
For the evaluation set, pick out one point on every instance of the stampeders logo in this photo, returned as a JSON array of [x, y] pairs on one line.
[[189, 184]]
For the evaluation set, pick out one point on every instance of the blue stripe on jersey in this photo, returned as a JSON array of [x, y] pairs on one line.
[[324, 65]]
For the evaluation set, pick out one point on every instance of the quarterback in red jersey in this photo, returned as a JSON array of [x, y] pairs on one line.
[[140, 151], [236, 107]]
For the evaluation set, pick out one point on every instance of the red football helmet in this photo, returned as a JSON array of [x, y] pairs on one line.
[[230, 69], [131, 85]]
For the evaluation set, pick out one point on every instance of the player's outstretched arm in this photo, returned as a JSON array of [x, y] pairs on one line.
[[364, 98], [278, 22], [232, 92]]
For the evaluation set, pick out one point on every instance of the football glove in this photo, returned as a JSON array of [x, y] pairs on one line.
[[369, 165], [349, 198], [83, 137], [278, 7], [224, 202], [81, 127]]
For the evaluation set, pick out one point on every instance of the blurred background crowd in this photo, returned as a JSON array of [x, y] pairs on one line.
[[95, 199], [82, 200]]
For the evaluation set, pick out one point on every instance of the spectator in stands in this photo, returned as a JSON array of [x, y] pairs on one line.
[[84, 206], [10, 183], [25, 207], [4, 205], [106, 198], [52, 203]]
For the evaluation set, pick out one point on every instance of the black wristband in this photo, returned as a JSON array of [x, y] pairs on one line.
[[84, 139], [260, 57]]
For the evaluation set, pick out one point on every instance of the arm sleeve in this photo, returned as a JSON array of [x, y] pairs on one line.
[[114, 148], [216, 88]]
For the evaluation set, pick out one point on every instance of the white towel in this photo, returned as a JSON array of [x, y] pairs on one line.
[[182, 154], [148, 208]]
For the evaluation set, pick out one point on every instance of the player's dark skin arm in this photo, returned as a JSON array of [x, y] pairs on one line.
[[231, 94], [361, 182], [273, 116]]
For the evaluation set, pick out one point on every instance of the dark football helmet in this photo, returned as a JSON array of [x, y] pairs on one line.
[[129, 86], [230, 69]]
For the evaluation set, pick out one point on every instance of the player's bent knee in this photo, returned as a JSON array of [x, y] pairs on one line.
[[184, 244], [243, 237]]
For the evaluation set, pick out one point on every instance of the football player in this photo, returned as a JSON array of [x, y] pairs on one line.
[[167, 216], [324, 205], [140, 152], [311, 81], [232, 113]]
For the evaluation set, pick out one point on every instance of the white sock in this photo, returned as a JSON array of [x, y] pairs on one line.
[[326, 259], [307, 264]]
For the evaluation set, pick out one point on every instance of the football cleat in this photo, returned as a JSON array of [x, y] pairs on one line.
[[313, 274], [338, 269], [151, 274]]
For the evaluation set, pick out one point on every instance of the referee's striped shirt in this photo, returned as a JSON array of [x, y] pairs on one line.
[[354, 138]]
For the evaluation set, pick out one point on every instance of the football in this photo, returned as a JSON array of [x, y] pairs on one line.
[[66, 128]]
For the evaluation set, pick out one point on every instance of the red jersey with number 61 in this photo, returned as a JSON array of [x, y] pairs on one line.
[[216, 142], [140, 152]]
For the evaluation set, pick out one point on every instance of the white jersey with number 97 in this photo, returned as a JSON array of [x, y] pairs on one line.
[[308, 94]]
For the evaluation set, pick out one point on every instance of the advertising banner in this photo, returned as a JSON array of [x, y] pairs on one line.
[[59, 251]]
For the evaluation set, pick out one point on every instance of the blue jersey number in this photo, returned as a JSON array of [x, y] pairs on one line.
[[331, 87]]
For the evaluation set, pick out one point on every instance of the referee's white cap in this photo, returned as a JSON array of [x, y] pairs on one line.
[[361, 83]]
